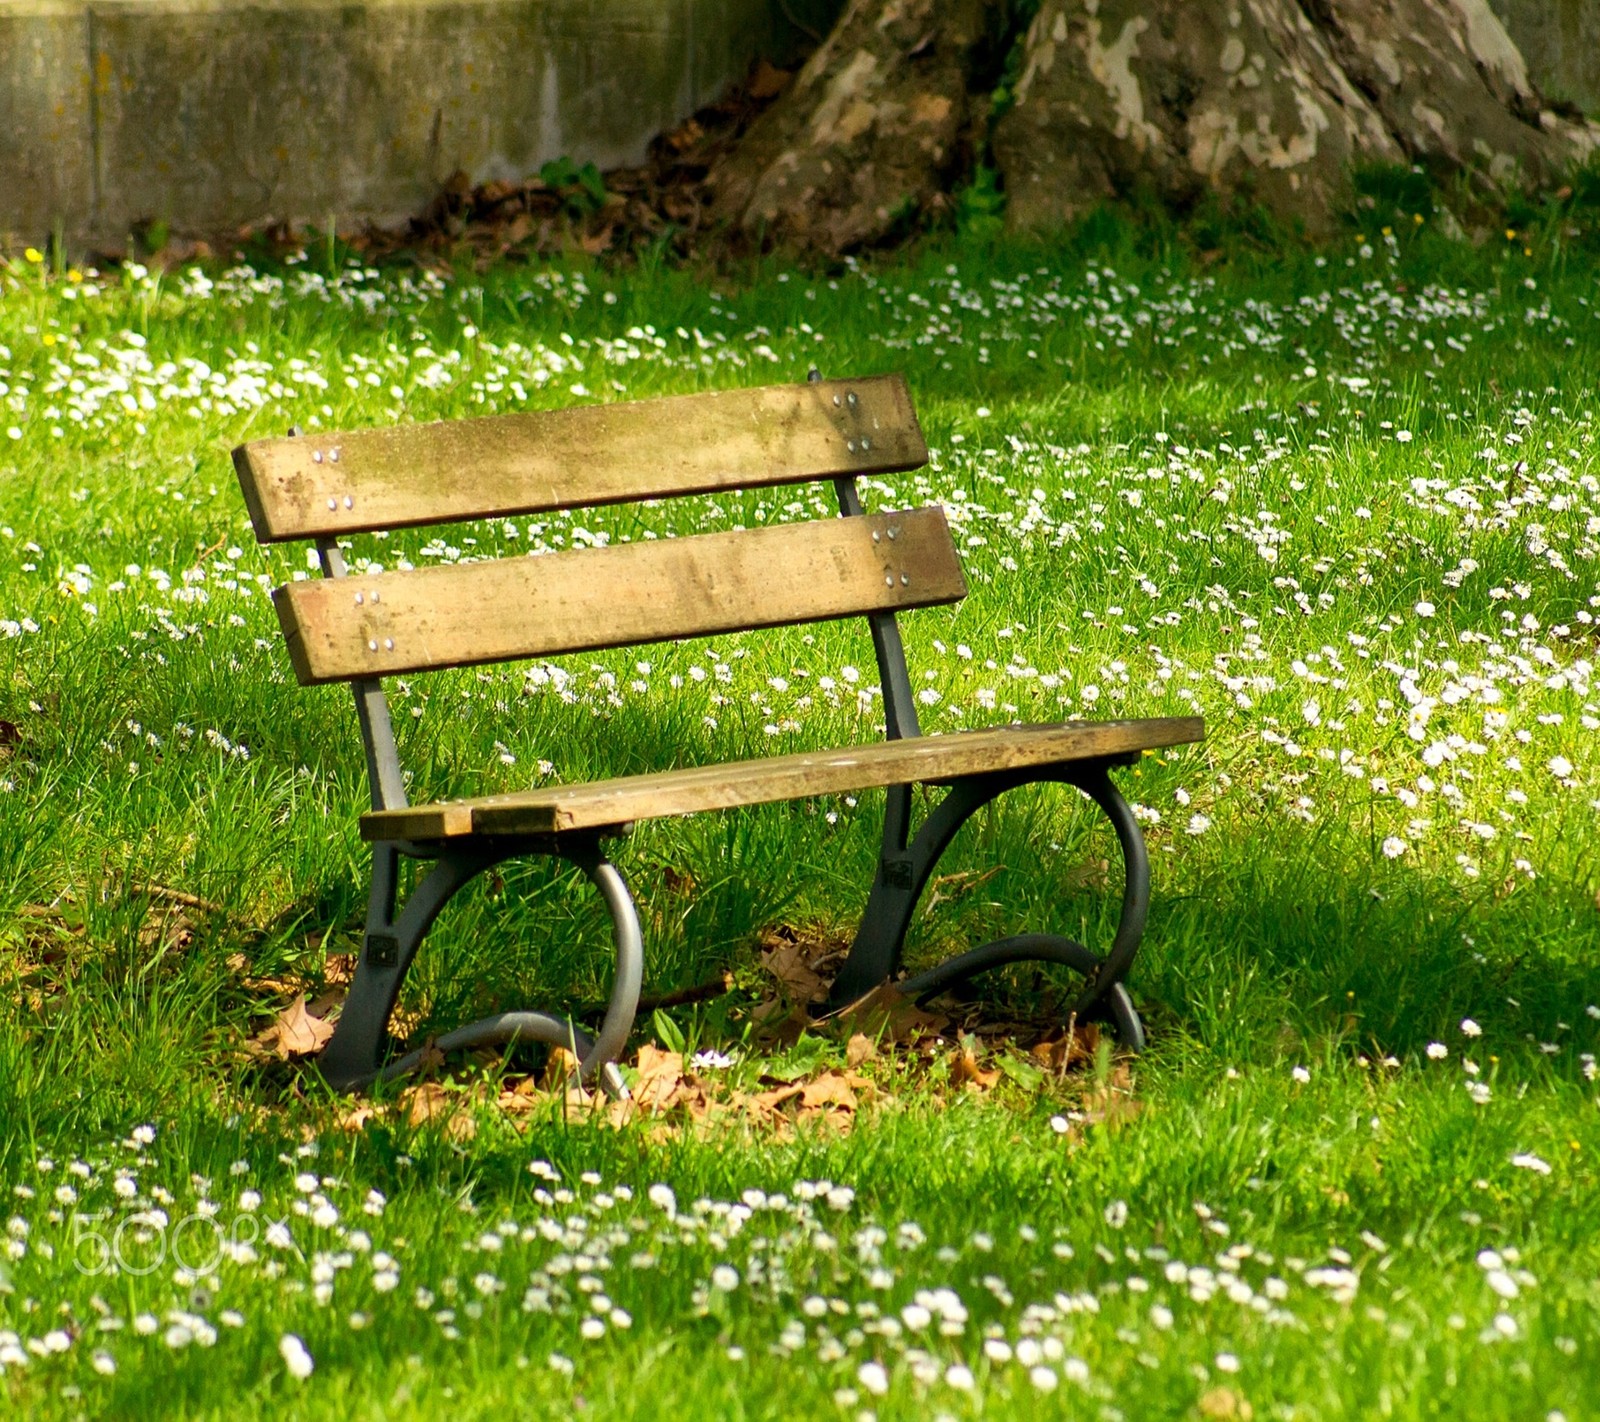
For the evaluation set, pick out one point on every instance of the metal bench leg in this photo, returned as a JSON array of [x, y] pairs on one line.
[[902, 875], [901, 878], [1114, 1002], [353, 1058], [355, 1052], [1135, 892]]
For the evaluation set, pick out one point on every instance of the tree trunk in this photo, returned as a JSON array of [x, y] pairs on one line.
[[1266, 101], [871, 132], [1269, 100]]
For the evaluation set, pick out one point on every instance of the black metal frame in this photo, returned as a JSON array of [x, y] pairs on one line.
[[354, 1056], [907, 862]]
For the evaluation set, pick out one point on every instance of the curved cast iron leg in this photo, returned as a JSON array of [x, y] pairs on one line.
[[624, 1003], [903, 873], [1135, 889], [352, 1057], [1022, 948], [1033, 948]]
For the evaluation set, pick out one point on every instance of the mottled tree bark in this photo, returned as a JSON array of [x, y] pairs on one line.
[[1182, 97], [1452, 87], [1269, 100], [872, 130], [1266, 101]]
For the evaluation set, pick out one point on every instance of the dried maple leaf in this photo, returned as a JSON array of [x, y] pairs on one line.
[[325, 1001], [767, 81], [1060, 1053], [860, 1048], [832, 1090], [791, 969], [772, 1100], [685, 136], [780, 1024], [356, 1118], [660, 1076], [294, 1033]]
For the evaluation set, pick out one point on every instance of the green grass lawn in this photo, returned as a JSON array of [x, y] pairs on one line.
[[1343, 505]]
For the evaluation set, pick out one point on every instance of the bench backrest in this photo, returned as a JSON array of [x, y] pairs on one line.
[[361, 627]]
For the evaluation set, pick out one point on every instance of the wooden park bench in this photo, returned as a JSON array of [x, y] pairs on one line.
[[358, 628]]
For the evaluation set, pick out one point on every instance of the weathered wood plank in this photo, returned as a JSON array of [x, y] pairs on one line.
[[319, 484], [585, 599], [604, 804]]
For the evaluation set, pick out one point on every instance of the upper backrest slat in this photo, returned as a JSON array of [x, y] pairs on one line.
[[582, 600], [325, 485]]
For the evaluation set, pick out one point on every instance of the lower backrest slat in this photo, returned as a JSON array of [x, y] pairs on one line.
[[583, 600]]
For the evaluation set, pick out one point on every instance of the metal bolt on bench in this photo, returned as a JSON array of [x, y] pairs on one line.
[[358, 628]]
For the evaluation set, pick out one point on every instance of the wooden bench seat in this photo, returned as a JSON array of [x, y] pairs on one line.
[[361, 626], [929, 760]]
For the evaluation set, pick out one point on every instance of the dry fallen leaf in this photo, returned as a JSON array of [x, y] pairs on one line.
[[294, 1033], [430, 1101], [832, 1089], [789, 965], [965, 1071], [1223, 1402], [781, 1024], [767, 81], [660, 1076], [560, 1070], [524, 1093], [1059, 1053], [887, 1015], [772, 1100], [860, 1048], [357, 1117]]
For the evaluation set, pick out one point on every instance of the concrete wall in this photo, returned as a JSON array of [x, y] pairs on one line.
[[1560, 39], [213, 114]]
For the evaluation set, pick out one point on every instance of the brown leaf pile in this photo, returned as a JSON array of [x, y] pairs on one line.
[[908, 1049], [665, 201], [668, 1097]]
